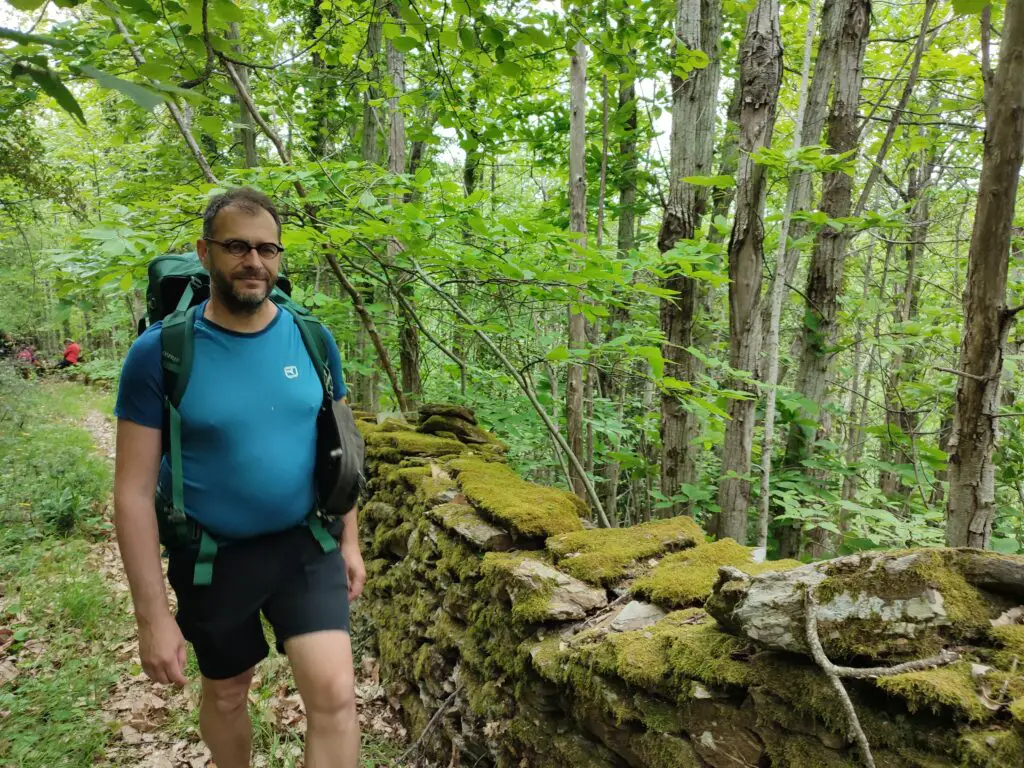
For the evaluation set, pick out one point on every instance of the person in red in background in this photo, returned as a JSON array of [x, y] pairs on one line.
[[71, 353]]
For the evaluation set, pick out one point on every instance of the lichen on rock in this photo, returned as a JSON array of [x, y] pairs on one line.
[[463, 520], [605, 555]]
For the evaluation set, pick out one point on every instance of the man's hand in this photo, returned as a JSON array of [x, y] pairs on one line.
[[354, 569], [162, 649]]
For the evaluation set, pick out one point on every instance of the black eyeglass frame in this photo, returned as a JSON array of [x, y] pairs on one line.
[[227, 245]]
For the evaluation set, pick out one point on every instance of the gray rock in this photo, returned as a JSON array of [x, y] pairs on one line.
[[570, 598], [637, 615], [463, 520]]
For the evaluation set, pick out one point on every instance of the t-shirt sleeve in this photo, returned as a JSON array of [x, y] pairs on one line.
[[334, 363], [140, 393]]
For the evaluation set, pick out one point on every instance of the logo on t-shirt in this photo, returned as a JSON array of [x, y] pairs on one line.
[[291, 372]]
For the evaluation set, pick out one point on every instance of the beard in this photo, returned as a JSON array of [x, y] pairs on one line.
[[239, 300]]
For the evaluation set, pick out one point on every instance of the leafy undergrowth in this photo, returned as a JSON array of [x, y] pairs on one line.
[[72, 692]]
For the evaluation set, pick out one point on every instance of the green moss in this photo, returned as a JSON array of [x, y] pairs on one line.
[[992, 749], [392, 446], [686, 578], [661, 750], [529, 509], [666, 656], [528, 605], [793, 750], [1017, 710], [457, 560], [936, 569], [604, 555], [1011, 640], [951, 688], [658, 715]]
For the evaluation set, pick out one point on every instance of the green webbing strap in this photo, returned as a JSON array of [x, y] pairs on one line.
[[313, 338], [177, 482], [204, 560], [316, 525]]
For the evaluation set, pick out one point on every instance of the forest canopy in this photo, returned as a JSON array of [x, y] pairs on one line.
[[703, 257]]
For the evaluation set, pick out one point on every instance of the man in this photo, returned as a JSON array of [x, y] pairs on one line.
[[248, 440], [71, 353]]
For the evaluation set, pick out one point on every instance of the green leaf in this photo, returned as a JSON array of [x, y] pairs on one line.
[[468, 38], [558, 354], [26, 5], [449, 38], [404, 44], [225, 11], [509, 69], [720, 182], [47, 80], [492, 36], [126, 282], [653, 356], [966, 6], [140, 94]]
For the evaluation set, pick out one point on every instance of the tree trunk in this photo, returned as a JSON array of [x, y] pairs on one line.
[[614, 391], [800, 183], [825, 275], [245, 134], [970, 511], [577, 224], [900, 420], [694, 97], [408, 333], [367, 386], [775, 302], [760, 80]]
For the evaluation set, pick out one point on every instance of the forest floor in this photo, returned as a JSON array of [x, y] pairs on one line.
[[72, 690]]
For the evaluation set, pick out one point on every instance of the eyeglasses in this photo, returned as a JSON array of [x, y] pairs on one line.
[[240, 248]]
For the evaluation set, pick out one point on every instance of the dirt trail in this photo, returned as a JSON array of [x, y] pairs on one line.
[[139, 708]]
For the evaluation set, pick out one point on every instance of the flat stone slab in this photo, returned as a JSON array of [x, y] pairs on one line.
[[463, 520], [569, 598], [637, 615]]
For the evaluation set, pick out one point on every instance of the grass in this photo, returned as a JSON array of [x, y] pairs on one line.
[[68, 623]]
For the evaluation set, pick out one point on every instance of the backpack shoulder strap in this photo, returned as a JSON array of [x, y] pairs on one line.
[[177, 346], [312, 332]]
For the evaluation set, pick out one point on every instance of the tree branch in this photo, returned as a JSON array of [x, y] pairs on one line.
[[964, 374], [834, 673], [519, 379], [172, 107]]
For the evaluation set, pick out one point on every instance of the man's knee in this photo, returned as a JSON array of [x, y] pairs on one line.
[[228, 697], [332, 696]]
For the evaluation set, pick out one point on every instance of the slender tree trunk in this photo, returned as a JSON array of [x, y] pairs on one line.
[[900, 420], [970, 511], [855, 399], [824, 279], [614, 391], [408, 333], [694, 96], [775, 301], [578, 224], [367, 386], [760, 80], [801, 188], [245, 134]]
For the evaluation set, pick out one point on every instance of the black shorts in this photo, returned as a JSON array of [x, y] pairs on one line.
[[286, 576]]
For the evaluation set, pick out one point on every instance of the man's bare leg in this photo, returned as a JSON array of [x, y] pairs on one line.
[[322, 665], [224, 720]]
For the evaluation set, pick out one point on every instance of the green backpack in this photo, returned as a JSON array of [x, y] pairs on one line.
[[178, 283]]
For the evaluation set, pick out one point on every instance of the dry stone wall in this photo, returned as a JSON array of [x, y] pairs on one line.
[[550, 643]]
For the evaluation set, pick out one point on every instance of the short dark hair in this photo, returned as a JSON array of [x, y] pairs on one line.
[[248, 199]]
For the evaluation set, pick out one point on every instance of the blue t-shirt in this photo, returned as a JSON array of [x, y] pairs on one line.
[[248, 422]]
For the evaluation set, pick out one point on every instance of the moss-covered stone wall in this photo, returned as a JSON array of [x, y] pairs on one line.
[[557, 644]]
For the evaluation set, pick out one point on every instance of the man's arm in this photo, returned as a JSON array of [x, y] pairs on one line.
[[161, 645]]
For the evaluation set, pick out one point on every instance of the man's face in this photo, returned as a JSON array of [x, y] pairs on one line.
[[242, 283]]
